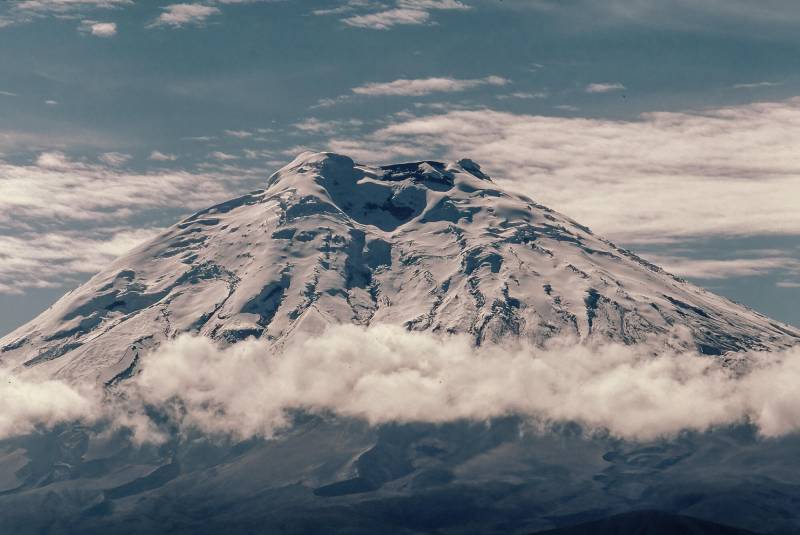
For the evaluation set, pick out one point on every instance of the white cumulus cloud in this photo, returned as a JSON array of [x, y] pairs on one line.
[[385, 374], [178, 15], [30, 403], [99, 29]]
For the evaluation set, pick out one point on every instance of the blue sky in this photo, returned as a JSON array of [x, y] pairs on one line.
[[669, 126]]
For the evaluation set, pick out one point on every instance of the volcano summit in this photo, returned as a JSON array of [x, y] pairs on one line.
[[426, 245]]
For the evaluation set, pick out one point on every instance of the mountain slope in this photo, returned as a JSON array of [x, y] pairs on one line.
[[426, 245]]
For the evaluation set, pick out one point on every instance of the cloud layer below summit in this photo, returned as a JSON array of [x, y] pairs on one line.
[[385, 374]]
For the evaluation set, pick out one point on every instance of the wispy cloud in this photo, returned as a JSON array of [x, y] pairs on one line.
[[604, 87], [432, 4], [680, 15], [521, 95], [329, 102], [241, 134], [405, 12], [61, 257], [725, 268], [641, 180], [62, 6], [256, 154], [61, 218], [179, 15], [754, 85], [29, 10], [347, 6], [383, 20], [114, 159], [426, 86], [158, 156], [222, 156], [315, 126], [413, 88]]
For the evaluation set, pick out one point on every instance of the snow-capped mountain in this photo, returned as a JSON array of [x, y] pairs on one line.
[[427, 245]]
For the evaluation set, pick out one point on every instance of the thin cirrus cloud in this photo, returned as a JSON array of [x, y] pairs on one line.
[[521, 95], [426, 86], [755, 85], [241, 134], [180, 15], [665, 176], [601, 87]]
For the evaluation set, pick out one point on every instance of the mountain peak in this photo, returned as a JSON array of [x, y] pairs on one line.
[[426, 245], [324, 163], [326, 166], [386, 197]]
